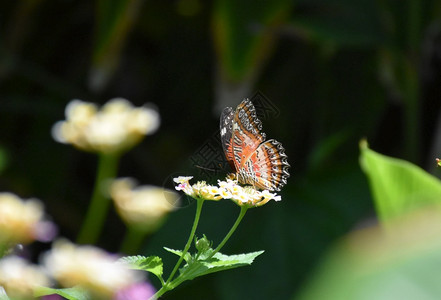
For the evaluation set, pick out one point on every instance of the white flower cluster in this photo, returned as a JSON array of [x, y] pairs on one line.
[[23, 221], [229, 189], [116, 127], [145, 206], [92, 268]]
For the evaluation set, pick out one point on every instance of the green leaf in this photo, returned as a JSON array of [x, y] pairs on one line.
[[187, 256], [324, 150], [219, 262], [75, 293], [152, 264], [114, 21], [398, 187], [244, 37], [343, 23]]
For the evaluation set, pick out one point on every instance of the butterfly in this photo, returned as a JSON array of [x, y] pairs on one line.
[[255, 161]]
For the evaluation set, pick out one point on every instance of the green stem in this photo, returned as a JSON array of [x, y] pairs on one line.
[[414, 22], [132, 240], [99, 204], [411, 84], [243, 210], [411, 114], [167, 286]]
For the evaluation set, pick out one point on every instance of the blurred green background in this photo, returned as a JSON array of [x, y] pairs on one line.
[[337, 71]]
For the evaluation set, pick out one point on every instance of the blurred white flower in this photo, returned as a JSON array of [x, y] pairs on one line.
[[229, 189], [19, 278], [144, 206], [117, 127], [89, 267], [23, 221]]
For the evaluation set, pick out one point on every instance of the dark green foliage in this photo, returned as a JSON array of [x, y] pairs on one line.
[[336, 70]]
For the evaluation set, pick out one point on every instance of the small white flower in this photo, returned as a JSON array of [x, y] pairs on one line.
[[143, 206], [184, 185], [182, 179], [270, 196], [19, 278], [89, 267], [240, 198], [210, 192], [195, 189], [228, 184], [225, 193]]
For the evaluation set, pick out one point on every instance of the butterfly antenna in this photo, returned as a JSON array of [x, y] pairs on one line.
[[205, 168]]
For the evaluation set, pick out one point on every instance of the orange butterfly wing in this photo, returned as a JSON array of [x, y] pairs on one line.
[[246, 135], [268, 166]]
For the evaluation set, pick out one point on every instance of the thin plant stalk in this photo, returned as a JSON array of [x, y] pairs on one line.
[[167, 286], [132, 240], [411, 114], [243, 210], [99, 204]]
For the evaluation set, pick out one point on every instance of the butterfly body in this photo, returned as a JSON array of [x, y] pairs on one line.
[[255, 161]]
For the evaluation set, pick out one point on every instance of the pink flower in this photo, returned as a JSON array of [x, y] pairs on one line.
[[137, 291]]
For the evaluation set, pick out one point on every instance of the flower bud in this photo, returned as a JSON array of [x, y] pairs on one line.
[[203, 244]]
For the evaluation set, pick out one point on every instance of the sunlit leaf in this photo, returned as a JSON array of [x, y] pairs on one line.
[[219, 262], [397, 186], [74, 293], [152, 264], [187, 256]]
